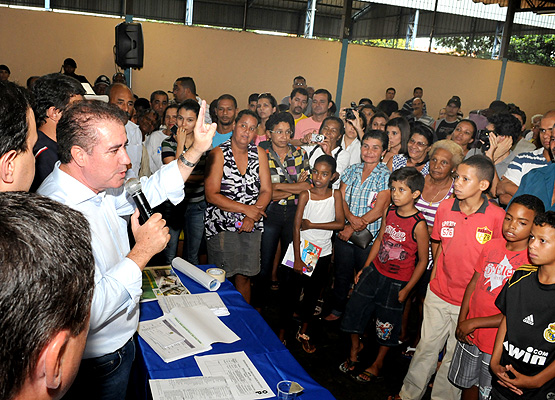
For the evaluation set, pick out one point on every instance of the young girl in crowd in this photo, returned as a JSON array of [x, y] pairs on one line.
[[319, 213]]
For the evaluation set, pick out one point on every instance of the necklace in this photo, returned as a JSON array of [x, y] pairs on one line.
[[433, 198]]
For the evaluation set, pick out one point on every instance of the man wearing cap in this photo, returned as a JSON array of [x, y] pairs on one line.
[[418, 112], [445, 126], [69, 68], [4, 72], [101, 84]]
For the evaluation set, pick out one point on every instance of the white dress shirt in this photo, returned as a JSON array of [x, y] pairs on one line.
[[115, 310], [134, 146], [153, 144]]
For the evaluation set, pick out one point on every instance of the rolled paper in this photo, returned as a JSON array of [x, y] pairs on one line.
[[196, 274]]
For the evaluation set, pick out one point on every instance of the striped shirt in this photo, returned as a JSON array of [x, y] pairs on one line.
[[361, 196], [524, 163]]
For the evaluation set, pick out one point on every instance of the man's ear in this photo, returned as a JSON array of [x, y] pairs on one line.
[[7, 166], [79, 155], [54, 114], [50, 364], [416, 194]]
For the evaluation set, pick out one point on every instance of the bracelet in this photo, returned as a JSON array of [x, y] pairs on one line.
[[186, 162]]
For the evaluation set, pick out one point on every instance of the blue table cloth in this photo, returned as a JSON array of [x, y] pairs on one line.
[[258, 341]]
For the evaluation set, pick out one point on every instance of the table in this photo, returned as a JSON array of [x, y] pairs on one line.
[[258, 341]]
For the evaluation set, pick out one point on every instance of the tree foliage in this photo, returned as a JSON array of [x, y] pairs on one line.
[[530, 49]]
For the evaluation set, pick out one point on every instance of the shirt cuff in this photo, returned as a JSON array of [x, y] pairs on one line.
[[129, 275]]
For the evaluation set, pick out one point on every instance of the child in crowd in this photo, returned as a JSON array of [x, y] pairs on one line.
[[479, 317], [319, 213], [524, 351], [463, 225], [396, 262]]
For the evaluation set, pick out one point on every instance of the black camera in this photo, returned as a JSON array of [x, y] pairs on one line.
[[349, 114], [483, 139]]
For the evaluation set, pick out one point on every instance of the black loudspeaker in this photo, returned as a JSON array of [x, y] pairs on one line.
[[129, 45]]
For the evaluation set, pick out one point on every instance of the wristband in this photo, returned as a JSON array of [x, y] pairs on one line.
[[186, 162]]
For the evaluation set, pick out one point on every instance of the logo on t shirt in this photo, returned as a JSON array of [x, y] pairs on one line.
[[448, 229], [483, 235], [529, 355], [497, 274], [549, 333], [529, 320]]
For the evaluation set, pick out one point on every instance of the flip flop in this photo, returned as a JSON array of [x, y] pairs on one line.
[[368, 377], [348, 366], [409, 352]]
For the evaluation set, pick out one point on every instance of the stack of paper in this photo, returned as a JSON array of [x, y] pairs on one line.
[[184, 332], [211, 300]]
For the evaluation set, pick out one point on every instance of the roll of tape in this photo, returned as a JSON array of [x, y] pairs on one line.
[[217, 273]]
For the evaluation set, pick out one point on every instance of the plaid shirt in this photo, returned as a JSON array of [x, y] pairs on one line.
[[361, 196], [296, 161]]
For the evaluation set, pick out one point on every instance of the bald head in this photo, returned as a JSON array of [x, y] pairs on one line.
[[546, 129], [121, 96]]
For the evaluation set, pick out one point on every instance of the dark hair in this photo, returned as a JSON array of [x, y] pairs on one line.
[[31, 81], [299, 90], [485, 170], [48, 282], [142, 103], [474, 127], [326, 158], [514, 109], [158, 93], [187, 82], [506, 125], [410, 176], [388, 106], [377, 134], [365, 100], [77, 127], [54, 90], [417, 88], [276, 118], [299, 77], [497, 106], [144, 112], [547, 217], [324, 91], [529, 201], [404, 127], [247, 112], [253, 97], [391, 88], [176, 106], [339, 121], [424, 130], [377, 114], [191, 105], [14, 103], [227, 97], [333, 109], [268, 96]]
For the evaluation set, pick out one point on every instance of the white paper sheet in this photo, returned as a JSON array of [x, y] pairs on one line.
[[211, 300], [196, 388], [185, 332], [239, 369]]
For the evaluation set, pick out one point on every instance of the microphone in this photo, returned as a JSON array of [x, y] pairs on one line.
[[133, 187]]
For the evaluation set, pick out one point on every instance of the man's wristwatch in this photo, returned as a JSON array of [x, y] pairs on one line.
[[186, 162]]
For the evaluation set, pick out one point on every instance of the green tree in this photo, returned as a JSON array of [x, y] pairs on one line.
[[533, 49], [478, 46]]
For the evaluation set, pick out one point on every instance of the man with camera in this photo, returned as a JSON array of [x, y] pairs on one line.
[[321, 103]]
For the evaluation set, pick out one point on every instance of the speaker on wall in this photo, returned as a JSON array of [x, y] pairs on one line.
[[129, 45]]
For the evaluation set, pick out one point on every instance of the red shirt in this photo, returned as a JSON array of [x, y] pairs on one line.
[[398, 248], [462, 238], [495, 266]]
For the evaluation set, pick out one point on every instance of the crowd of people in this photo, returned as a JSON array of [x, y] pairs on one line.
[[384, 208]]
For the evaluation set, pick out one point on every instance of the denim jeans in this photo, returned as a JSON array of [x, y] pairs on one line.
[[348, 259], [193, 230], [104, 377], [278, 226]]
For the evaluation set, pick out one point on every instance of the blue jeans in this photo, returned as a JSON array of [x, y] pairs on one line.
[[348, 259], [278, 226], [104, 377], [193, 230]]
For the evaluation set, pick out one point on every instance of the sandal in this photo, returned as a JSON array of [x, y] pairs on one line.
[[274, 285], [348, 366], [368, 377], [409, 352], [304, 339]]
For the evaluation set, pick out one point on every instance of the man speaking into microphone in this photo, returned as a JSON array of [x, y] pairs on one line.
[[93, 160]]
